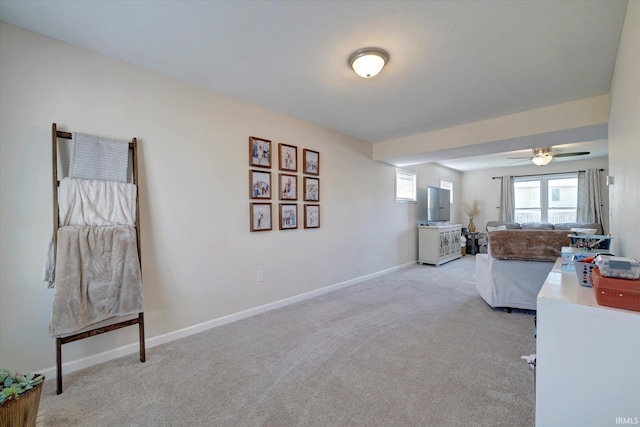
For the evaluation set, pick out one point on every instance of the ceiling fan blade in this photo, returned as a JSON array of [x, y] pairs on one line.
[[526, 157], [577, 153]]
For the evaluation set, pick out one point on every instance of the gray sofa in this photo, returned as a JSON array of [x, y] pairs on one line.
[[519, 259]]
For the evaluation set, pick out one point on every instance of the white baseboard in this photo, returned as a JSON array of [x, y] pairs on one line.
[[86, 362]]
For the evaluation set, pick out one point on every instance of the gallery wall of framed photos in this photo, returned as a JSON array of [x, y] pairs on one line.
[[288, 182]]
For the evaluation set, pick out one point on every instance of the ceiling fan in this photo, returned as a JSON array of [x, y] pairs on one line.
[[542, 156]]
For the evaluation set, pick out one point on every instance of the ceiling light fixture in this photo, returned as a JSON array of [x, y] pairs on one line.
[[368, 62]]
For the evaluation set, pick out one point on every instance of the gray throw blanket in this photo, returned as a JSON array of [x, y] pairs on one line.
[[99, 158], [97, 277]]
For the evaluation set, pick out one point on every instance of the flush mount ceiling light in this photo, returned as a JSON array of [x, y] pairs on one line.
[[368, 62]]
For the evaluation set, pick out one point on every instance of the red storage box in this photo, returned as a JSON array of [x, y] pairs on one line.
[[618, 293]]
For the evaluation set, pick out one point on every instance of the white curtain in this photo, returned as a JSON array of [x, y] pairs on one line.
[[507, 199], [589, 197]]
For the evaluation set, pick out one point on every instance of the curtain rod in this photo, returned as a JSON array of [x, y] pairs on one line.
[[542, 174]]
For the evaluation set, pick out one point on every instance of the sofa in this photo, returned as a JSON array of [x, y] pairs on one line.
[[519, 257]]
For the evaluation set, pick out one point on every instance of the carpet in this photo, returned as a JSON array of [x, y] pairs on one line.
[[416, 347]]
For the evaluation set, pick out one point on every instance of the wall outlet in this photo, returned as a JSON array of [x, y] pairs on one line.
[[260, 276]]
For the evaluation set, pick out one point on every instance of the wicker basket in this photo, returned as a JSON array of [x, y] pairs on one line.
[[23, 411]]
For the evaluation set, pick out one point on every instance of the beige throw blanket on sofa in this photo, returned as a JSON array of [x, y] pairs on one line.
[[97, 277], [532, 245]]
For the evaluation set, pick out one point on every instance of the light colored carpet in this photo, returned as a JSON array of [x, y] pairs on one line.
[[417, 347]]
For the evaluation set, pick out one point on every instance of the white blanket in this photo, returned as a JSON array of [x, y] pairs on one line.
[[97, 277], [92, 202]]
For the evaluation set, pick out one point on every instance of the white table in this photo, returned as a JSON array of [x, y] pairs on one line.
[[588, 357]]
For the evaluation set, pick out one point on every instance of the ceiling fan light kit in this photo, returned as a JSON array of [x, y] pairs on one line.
[[541, 160], [543, 156]]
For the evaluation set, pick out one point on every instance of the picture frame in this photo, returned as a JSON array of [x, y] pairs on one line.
[[260, 216], [288, 157], [311, 189], [259, 184], [288, 186], [311, 161], [311, 216], [259, 152], [288, 216]]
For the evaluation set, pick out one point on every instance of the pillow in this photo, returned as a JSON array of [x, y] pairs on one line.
[[500, 227], [509, 225], [588, 231], [536, 226]]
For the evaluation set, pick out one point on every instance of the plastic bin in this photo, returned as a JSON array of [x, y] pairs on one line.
[[619, 267], [584, 266], [590, 241], [567, 254], [617, 293]]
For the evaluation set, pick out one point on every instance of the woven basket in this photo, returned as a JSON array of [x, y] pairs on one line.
[[23, 411]]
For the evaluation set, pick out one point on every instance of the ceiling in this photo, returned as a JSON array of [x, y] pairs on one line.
[[597, 148], [451, 62]]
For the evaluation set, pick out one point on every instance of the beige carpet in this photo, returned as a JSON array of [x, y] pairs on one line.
[[417, 347]]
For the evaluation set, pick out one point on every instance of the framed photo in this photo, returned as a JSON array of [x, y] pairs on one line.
[[288, 216], [259, 152], [288, 186], [311, 216], [259, 184], [288, 157], [311, 189], [260, 216], [311, 162]]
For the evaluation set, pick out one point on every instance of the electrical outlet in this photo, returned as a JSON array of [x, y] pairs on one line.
[[260, 276]]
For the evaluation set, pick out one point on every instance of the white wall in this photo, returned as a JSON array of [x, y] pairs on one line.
[[199, 258], [481, 185], [624, 138]]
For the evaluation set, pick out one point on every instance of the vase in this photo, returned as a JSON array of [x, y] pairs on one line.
[[22, 411], [471, 227]]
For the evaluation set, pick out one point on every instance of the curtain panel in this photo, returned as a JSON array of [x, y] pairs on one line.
[[507, 199], [589, 197]]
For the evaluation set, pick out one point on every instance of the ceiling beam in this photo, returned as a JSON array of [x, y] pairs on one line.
[[576, 121]]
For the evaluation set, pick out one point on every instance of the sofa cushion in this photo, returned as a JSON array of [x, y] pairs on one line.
[[535, 245], [508, 225], [536, 226]]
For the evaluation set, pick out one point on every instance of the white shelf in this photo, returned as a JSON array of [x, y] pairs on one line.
[[587, 370]]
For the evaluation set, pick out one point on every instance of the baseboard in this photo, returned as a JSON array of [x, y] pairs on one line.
[[96, 359]]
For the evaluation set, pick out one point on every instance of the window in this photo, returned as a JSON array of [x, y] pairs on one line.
[[447, 186], [551, 199], [405, 186]]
